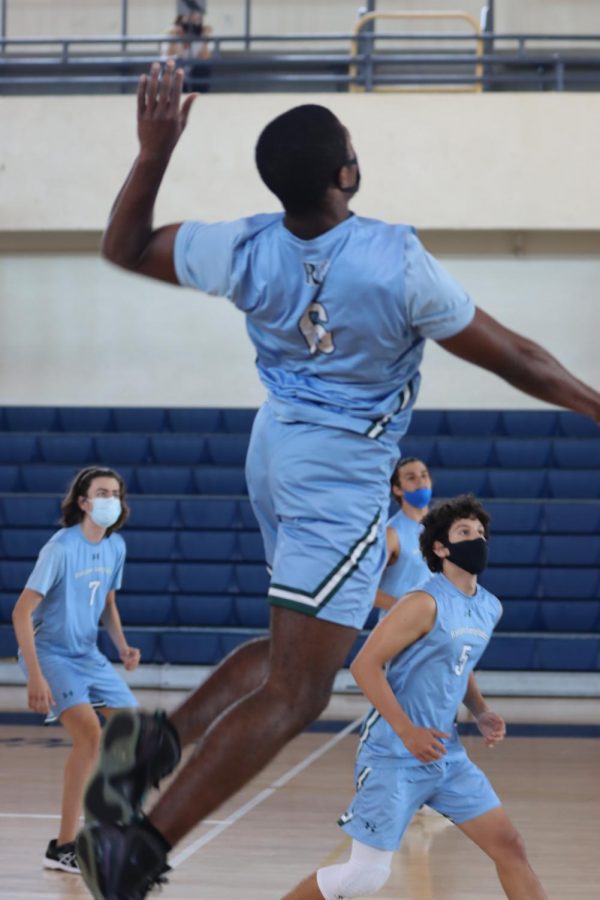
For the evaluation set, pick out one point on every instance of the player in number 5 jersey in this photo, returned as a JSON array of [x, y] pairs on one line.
[[72, 588], [416, 668]]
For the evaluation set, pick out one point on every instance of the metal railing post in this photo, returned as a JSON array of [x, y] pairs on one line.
[[247, 23], [3, 19], [124, 21]]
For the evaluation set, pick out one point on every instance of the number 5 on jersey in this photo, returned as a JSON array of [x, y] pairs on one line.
[[459, 668]]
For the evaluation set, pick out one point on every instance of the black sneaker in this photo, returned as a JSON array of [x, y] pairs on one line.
[[122, 862], [138, 750], [61, 856]]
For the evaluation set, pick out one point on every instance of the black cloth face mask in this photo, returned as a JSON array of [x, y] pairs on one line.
[[472, 556]]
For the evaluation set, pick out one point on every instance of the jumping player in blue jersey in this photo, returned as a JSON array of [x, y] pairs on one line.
[[416, 668], [339, 308], [405, 568], [56, 618]]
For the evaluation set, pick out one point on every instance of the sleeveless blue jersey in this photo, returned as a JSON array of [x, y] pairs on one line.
[[429, 678], [338, 322], [410, 570], [74, 576]]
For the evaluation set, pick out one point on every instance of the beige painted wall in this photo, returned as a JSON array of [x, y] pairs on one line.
[[524, 161], [75, 330]]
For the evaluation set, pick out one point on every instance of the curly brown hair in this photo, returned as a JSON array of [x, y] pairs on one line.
[[72, 513], [437, 522]]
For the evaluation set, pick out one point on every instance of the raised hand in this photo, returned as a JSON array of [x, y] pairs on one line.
[[161, 117]]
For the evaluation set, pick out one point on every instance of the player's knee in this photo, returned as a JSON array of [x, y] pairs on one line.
[[362, 875], [510, 848]]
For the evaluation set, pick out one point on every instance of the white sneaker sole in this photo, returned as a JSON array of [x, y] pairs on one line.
[[55, 864]]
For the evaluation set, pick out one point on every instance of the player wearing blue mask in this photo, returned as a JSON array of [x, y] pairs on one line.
[[339, 308], [56, 617], [406, 568], [416, 668]]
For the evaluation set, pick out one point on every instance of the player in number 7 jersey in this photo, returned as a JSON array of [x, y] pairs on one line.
[[56, 620], [416, 668]]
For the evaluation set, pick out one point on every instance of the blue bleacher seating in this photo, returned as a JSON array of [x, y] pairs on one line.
[[86, 419], [529, 423], [570, 615], [153, 512], [209, 512], [7, 603], [179, 449], [14, 574], [252, 612], [579, 453], [520, 615], [74, 449], [428, 422], [208, 545], [571, 550], [576, 583], [464, 453], [247, 517], [150, 544], [252, 579], [29, 510], [10, 478], [191, 647], [513, 453], [569, 485], [572, 518], [195, 421], [509, 652], [208, 610], [517, 483], [356, 647], [24, 543], [227, 449], [568, 654], [164, 479], [450, 482], [8, 642], [514, 517], [146, 609], [116, 450], [146, 421], [512, 582], [251, 546], [219, 480], [204, 578], [30, 418], [515, 550], [18, 448], [423, 448], [474, 422], [234, 637], [148, 577], [238, 421], [573, 425]]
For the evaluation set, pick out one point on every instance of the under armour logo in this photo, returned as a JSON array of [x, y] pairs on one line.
[[370, 827]]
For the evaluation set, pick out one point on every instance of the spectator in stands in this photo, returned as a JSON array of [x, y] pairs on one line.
[[56, 619], [339, 308], [416, 668], [193, 48], [406, 568]]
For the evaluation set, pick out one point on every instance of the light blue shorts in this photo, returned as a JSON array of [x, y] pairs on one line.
[[386, 799], [82, 679], [321, 497]]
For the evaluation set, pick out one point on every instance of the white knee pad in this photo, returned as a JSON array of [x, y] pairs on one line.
[[363, 874]]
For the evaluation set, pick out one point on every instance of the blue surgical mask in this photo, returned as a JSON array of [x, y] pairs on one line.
[[419, 498], [105, 511]]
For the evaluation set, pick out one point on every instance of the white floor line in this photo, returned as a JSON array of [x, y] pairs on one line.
[[262, 796]]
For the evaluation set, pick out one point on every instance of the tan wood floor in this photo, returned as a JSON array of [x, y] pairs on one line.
[[283, 824]]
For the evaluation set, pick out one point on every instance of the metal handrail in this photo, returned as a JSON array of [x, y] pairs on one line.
[[425, 15]]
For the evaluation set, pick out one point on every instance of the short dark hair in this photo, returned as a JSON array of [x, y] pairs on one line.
[[72, 513], [437, 522], [299, 154]]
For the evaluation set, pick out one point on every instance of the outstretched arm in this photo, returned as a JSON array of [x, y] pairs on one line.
[[130, 240], [523, 364]]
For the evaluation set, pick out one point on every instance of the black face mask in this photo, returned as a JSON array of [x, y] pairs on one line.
[[353, 189], [472, 556]]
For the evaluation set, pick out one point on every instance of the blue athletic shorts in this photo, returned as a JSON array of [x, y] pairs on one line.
[[386, 799], [321, 497], [82, 679]]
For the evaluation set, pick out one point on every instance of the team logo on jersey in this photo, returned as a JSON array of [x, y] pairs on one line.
[[314, 272], [312, 327]]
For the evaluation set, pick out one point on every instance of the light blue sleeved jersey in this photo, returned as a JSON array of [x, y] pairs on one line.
[[410, 570], [429, 678], [339, 322], [74, 576]]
